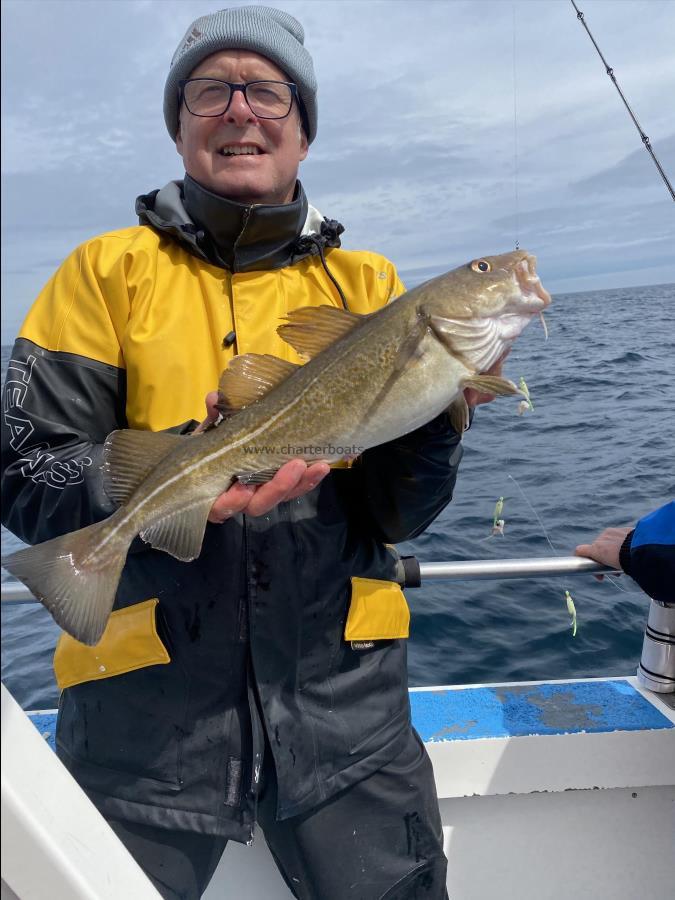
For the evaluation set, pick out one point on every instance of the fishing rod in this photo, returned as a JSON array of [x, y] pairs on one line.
[[610, 72]]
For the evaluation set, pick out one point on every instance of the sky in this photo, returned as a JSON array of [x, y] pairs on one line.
[[448, 129]]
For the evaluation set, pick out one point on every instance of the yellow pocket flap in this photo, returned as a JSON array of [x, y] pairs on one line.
[[378, 611], [130, 641]]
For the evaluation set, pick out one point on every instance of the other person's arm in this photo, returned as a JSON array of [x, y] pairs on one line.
[[646, 552]]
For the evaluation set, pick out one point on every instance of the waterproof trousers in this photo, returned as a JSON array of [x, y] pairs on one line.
[[380, 839]]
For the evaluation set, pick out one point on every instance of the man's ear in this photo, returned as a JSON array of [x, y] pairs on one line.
[[179, 140], [304, 146]]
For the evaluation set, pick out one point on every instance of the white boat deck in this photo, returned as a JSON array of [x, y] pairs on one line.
[[553, 790]]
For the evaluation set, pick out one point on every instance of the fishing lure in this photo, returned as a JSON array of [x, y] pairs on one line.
[[571, 609], [497, 521], [527, 403]]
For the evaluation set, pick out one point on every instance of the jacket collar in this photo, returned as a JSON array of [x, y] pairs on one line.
[[233, 235]]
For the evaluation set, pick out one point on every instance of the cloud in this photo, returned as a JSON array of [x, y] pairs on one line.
[[634, 172], [416, 150]]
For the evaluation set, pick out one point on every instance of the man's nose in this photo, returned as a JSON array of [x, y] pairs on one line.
[[239, 112]]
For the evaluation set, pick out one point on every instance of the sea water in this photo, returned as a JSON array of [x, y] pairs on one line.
[[598, 449]]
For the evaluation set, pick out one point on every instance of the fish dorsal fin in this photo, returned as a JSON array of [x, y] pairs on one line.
[[130, 455], [310, 329], [182, 533], [248, 378]]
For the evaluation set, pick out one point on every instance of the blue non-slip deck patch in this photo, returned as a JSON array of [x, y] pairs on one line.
[[511, 711], [46, 725], [520, 710]]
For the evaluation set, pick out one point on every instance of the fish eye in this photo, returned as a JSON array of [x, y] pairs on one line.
[[481, 265]]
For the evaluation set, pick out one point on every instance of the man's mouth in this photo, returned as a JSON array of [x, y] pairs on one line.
[[240, 150]]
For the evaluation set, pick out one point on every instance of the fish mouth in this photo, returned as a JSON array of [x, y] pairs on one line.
[[534, 292]]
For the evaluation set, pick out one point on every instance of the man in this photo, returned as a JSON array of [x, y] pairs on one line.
[[225, 691]]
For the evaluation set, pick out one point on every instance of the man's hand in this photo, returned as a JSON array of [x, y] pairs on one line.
[[293, 479], [605, 548], [474, 397]]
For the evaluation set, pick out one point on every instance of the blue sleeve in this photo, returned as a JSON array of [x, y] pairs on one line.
[[648, 554]]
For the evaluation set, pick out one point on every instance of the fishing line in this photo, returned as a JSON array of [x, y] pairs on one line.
[[610, 72], [537, 516], [515, 136], [549, 541]]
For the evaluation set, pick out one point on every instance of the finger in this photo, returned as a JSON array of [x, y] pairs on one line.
[[275, 491], [232, 501], [211, 400], [212, 412], [310, 479], [474, 398], [597, 551]]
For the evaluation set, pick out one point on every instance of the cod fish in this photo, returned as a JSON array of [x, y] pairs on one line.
[[368, 379]]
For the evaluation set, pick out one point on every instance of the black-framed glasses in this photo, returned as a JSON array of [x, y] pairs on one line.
[[212, 97]]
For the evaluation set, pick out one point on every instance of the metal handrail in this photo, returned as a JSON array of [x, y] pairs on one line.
[[531, 567], [465, 570]]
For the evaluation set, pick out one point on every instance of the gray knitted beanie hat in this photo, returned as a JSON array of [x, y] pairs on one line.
[[262, 29]]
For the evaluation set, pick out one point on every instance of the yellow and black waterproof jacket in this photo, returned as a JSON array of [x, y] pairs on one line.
[[288, 625]]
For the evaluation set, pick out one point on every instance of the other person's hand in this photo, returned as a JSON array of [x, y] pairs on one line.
[[293, 479], [605, 548]]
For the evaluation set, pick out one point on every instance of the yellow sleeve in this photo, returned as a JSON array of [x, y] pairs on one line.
[[74, 313]]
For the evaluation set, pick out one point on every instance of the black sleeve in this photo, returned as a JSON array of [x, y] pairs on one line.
[[396, 490], [648, 554], [58, 409]]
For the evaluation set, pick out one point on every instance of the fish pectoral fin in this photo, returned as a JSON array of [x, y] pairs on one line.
[[410, 346], [249, 378], [491, 384], [130, 455], [310, 329], [459, 414], [182, 533], [261, 477]]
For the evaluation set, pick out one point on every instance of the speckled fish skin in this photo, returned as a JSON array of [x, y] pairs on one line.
[[395, 370]]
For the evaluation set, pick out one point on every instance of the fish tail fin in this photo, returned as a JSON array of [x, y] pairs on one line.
[[75, 583]]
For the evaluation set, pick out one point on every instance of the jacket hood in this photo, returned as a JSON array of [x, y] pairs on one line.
[[234, 235]]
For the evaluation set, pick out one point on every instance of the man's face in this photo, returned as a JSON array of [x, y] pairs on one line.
[[269, 175]]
